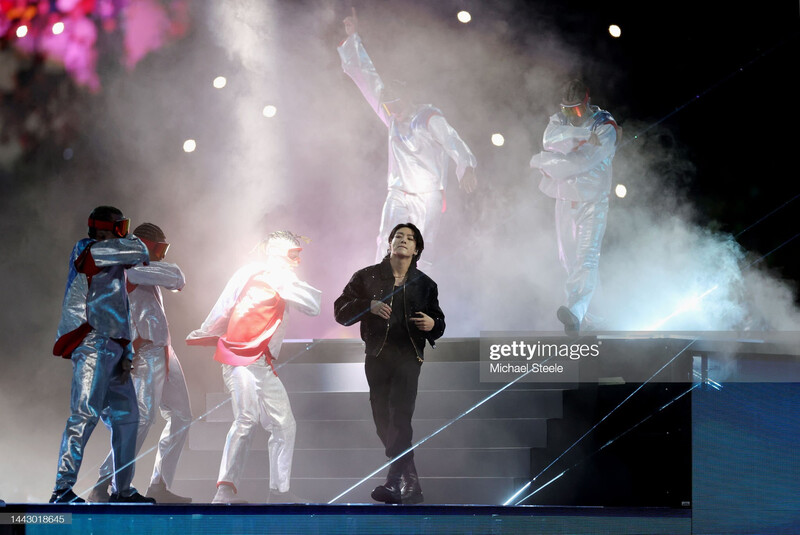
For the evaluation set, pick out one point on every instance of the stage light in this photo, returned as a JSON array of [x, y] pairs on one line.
[[58, 28], [22, 31], [269, 111], [621, 191], [189, 145], [615, 30], [498, 140], [220, 82], [68, 154], [464, 17]]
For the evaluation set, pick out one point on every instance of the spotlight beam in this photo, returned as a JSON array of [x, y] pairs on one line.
[[604, 446], [604, 418]]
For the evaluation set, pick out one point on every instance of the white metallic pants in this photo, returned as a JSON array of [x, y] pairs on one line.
[[580, 227], [98, 387], [258, 397], [422, 209], [155, 388]]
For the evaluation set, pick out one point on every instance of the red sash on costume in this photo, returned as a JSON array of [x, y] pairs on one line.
[[254, 319]]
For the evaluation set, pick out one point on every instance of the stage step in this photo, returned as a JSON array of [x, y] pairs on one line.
[[479, 451]]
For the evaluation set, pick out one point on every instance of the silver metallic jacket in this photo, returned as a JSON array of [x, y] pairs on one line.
[[147, 304], [573, 168], [298, 294], [103, 302], [419, 148]]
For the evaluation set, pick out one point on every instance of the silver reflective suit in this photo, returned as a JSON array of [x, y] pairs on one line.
[[576, 169], [420, 149], [157, 374], [257, 394], [95, 317]]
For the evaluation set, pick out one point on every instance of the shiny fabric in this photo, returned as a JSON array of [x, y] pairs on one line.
[[147, 304], [573, 168], [103, 304], [420, 149], [97, 385], [157, 375], [158, 389], [298, 295], [422, 208], [96, 306], [576, 171], [257, 394], [580, 228], [258, 397]]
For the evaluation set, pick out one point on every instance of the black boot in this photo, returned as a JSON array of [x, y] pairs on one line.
[[389, 492], [412, 492]]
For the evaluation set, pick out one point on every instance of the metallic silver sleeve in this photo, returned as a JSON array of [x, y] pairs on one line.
[[168, 276], [103, 303], [357, 64], [147, 304], [216, 323], [453, 145], [584, 172]]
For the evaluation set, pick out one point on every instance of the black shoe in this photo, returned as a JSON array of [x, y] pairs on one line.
[[159, 492], [133, 498], [65, 496], [386, 494], [571, 322], [412, 492]]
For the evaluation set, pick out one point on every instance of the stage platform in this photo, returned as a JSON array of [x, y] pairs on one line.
[[349, 519], [663, 433]]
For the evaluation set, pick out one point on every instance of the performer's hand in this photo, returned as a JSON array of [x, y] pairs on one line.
[[381, 309], [351, 23], [469, 181], [423, 322], [594, 140]]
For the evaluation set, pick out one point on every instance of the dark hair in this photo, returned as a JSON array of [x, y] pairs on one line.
[[103, 213], [418, 241], [151, 232], [574, 92]]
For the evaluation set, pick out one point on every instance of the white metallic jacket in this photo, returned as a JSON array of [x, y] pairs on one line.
[[573, 168], [298, 294], [147, 304], [419, 148]]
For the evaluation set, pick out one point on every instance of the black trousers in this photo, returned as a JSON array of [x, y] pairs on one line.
[[393, 378]]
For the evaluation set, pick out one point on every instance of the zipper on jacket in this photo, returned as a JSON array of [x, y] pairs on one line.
[[408, 330]]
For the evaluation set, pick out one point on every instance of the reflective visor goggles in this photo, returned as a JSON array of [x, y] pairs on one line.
[[575, 111], [156, 248], [119, 227]]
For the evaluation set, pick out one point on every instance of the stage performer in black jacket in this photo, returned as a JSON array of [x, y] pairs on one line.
[[398, 307]]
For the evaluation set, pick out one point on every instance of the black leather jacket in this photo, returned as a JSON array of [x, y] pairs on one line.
[[377, 282]]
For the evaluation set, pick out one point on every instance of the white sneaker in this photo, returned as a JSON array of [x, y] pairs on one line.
[[226, 494]]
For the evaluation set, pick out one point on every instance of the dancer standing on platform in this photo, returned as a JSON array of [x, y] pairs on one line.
[[95, 333], [579, 144], [247, 325], [157, 374], [421, 143], [398, 307]]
